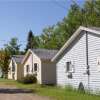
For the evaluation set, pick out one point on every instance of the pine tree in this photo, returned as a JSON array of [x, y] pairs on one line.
[[32, 41], [29, 40]]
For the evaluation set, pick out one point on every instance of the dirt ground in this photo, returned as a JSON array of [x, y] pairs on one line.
[[21, 96], [13, 93]]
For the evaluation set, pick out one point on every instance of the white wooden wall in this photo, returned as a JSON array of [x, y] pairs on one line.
[[77, 55], [94, 53]]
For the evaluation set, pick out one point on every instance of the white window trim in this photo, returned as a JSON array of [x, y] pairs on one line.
[[37, 67], [71, 67]]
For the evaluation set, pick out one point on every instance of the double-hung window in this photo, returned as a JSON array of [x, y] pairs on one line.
[[69, 67], [27, 69], [35, 67]]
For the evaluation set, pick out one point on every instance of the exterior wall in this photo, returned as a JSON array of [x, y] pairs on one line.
[[20, 71], [94, 53], [29, 62], [76, 53], [48, 72], [10, 73], [18, 74]]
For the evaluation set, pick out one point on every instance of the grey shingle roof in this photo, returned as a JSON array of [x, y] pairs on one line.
[[45, 54], [18, 58]]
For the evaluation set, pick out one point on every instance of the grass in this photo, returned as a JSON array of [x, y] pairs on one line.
[[54, 92]]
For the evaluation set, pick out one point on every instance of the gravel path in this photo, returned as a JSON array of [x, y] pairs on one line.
[[21, 96], [13, 93]]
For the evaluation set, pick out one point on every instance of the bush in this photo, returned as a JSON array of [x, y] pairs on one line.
[[28, 79]]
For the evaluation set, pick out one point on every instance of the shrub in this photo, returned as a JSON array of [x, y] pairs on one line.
[[28, 79]]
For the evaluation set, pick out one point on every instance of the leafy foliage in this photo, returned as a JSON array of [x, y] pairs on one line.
[[13, 47], [53, 37], [4, 61], [28, 79]]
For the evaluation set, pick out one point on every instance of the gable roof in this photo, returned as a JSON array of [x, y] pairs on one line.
[[73, 37], [43, 54], [18, 58]]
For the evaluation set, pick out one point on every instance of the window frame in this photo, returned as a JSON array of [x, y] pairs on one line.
[[69, 67], [35, 67], [68, 63], [27, 68]]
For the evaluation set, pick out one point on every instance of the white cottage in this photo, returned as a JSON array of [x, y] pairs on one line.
[[15, 67], [38, 61], [78, 61]]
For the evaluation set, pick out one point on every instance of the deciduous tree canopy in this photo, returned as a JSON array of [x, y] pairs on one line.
[[53, 37]]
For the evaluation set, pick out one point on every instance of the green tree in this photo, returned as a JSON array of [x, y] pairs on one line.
[[53, 37], [32, 41], [90, 13], [13, 47], [4, 61]]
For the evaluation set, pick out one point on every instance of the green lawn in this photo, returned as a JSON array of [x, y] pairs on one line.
[[54, 92]]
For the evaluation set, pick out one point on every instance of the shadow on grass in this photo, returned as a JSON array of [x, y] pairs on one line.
[[15, 91]]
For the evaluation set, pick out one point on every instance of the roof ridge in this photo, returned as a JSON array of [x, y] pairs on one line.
[[44, 49]]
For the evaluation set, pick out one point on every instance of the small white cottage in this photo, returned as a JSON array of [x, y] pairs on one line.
[[78, 61], [38, 62], [15, 67]]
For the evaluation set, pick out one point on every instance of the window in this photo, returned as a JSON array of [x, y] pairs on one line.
[[35, 67], [27, 69], [69, 69], [68, 66]]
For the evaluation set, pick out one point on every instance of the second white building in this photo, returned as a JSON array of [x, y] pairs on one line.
[[38, 61]]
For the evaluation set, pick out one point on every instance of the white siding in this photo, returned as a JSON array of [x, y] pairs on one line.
[[77, 55], [94, 53], [29, 61], [10, 72], [46, 72]]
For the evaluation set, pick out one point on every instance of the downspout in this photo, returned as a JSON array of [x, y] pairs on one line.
[[87, 60]]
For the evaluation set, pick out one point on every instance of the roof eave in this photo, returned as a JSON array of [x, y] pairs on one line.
[[26, 56], [76, 33]]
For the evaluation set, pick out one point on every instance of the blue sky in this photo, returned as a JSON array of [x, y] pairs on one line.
[[17, 17]]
